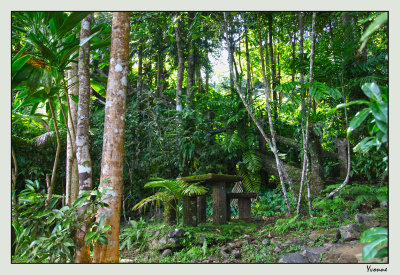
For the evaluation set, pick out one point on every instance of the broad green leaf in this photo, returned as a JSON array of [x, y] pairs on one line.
[[382, 253], [99, 88], [71, 22], [34, 79], [88, 39], [17, 56], [101, 221], [358, 119], [379, 111], [376, 24], [19, 63], [372, 90], [358, 102], [103, 240], [373, 234], [371, 249]]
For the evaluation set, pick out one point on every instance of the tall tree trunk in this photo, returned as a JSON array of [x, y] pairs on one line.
[[273, 66], [305, 111], [114, 134], [271, 143], [72, 180], [190, 69], [82, 137], [181, 68]]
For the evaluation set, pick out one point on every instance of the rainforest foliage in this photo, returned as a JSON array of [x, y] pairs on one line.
[[200, 86]]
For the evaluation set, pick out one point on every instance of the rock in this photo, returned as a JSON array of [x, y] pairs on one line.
[[126, 261], [293, 258], [173, 241], [163, 240], [277, 249], [331, 234], [313, 254], [157, 233], [349, 232], [166, 252], [176, 233], [368, 221], [236, 253], [384, 204]]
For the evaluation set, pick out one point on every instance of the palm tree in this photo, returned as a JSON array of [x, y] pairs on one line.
[[173, 190]]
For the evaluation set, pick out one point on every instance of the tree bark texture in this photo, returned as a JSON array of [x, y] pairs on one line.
[[82, 136], [72, 180], [114, 134], [189, 209]]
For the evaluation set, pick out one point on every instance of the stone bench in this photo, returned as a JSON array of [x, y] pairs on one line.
[[244, 200]]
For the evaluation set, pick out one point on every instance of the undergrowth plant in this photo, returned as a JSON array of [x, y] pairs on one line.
[[134, 234], [45, 233]]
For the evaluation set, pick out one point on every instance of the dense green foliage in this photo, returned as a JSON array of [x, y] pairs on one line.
[[213, 133], [45, 233]]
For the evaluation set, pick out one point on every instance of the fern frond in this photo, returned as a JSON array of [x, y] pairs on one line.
[[194, 189], [156, 199]]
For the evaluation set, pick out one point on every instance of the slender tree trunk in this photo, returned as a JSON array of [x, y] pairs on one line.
[[181, 68], [82, 137], [309, 102], [72, 180], [114, 134], [271, 143], [50, 184], [305, 110], [273, 66]]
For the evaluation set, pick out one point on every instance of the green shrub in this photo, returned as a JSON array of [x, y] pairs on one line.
[[45, 233], [135, 234]]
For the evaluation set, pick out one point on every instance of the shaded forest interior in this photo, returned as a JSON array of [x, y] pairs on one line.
[[295, 103]]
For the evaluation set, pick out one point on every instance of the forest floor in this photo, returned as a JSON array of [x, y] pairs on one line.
[[277, 239]]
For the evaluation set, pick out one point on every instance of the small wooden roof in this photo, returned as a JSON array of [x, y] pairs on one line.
[[209, 178]]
